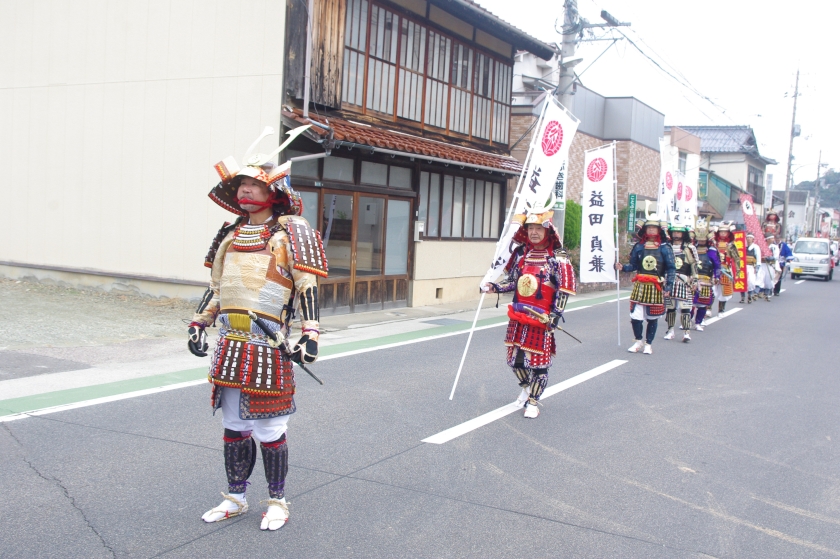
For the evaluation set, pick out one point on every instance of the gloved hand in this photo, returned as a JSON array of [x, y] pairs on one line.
[[305, 350], [198, 340], [555, 321]]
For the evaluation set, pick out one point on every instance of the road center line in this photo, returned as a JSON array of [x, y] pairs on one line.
[[800, 281], [489, 417], [723, 315]]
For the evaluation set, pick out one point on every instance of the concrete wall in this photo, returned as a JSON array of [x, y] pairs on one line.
[[452, 266], [112, 115]]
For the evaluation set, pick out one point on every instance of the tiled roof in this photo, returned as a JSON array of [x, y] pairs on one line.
[[727, 139], [356, 133]]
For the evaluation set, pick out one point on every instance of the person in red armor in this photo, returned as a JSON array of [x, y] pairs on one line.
[[541, 277]]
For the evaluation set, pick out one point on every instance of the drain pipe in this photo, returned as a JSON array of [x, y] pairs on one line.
[[306, 76]]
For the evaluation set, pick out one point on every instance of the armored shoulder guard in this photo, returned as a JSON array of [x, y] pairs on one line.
[[226, 228], [307, 247]]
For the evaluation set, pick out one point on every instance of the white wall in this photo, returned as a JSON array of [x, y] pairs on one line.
[[112, 115]]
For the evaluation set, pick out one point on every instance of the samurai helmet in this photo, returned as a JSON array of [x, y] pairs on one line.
[[537, 213], [653, 219], [702, 229], [771, 213], [259, 166]]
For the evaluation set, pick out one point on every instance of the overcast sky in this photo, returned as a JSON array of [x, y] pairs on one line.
[[742, 54]]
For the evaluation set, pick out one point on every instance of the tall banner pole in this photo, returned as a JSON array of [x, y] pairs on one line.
[[549, 148], [617, 273]]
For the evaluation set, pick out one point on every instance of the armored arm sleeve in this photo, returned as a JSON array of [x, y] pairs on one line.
[[670, 266], [208, 308], [635, 255], [713, 256], [507, 282], [307, 262]]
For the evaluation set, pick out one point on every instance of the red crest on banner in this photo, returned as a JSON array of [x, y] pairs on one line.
[[597, 170], [689, 193], [679, 191], [552, 138], [739, 283], [669, 180]]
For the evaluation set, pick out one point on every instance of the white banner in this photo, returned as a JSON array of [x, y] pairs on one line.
[[597, 236], [548, 151], [666, 195], [685, 202]]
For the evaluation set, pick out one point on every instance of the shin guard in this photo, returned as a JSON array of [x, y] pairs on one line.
[[721, 306], [671, 318], [540, 380], [685, 320], [276, 464], [651, 330], [240, 456], [638, 328], [523, 376]]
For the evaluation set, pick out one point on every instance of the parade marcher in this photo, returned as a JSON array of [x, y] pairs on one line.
[[653, 262], [785, 254], [685, 283], [772, 223], [753, 261], [770, 269], [260, 264], [542, 278], [728, 253], [708, 272]]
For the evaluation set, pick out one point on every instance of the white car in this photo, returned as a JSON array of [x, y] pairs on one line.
[[812, 257]]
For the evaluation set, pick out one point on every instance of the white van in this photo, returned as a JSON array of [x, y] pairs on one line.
[[812, 257]]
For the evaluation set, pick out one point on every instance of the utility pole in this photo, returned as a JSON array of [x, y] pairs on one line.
[[573, 24], [816, 198], [793, 134]]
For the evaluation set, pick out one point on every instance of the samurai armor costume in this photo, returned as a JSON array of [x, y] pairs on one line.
[[653, 261], [541, 278], [728, 254], [258, 271], [682, 294]]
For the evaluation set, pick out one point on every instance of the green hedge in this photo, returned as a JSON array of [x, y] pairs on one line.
[[571, 229]]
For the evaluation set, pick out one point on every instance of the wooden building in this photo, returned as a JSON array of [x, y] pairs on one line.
[[410, 104]]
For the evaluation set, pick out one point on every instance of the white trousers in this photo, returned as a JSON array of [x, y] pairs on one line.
[[718, 291], [263, 430], [751, 277], [639, 312]]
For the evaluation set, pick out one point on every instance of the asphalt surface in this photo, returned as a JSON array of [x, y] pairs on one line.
[[724, 447]]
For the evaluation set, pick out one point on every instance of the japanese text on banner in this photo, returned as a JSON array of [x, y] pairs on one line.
[[597, 243], [546, 156]]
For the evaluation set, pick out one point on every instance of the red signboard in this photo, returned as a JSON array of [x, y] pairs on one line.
[[740, 279]]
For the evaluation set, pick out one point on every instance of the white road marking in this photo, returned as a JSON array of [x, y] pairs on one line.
[[103, 400], [723, 315], [782, 290], [145, 392], [489, 417], [800, 281]]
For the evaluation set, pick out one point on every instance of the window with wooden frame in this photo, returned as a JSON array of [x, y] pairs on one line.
[[501, 101], [412, 66], [460, 96], [404, 70], [382, 60], [456, 207], [437, 78], [355, 41], [482, 80]]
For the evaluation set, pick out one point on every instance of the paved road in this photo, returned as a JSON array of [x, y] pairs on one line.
[[725, 447]]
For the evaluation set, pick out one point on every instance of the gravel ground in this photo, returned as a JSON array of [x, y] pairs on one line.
[[88, 325]]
